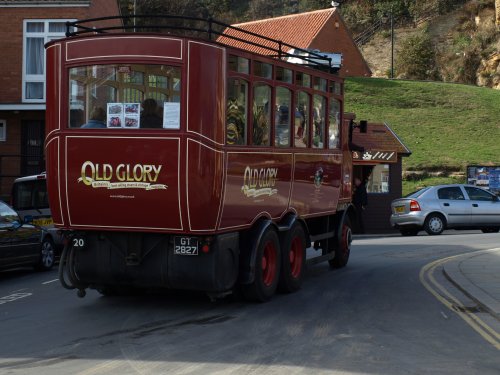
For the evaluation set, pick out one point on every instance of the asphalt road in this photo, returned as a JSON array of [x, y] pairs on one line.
[[372, 317]]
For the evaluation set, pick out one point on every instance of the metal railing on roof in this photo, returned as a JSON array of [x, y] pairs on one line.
[[200, 28]]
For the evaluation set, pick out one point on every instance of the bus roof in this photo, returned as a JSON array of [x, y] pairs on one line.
[[207, 29]]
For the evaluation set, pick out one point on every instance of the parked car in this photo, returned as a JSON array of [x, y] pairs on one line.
[[30, 200], [441, 207], [23, 244]]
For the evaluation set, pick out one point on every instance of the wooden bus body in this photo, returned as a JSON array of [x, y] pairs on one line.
[[248, 164]]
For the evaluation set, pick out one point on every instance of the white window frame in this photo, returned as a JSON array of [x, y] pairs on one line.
[[47, 36], [3, 130]]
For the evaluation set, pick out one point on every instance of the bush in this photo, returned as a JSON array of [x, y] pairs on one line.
[[416, 58]]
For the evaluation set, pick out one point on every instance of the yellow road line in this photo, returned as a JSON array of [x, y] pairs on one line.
[[488, 333]]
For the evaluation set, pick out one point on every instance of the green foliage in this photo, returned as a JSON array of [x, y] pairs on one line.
[[410, 186], [446, 126], [416, 57]]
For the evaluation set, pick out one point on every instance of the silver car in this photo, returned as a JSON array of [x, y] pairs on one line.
[[441, 207]]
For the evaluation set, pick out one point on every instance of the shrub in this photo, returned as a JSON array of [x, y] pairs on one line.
[[416, 57]]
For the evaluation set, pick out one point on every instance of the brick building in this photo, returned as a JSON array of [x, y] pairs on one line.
[[25, 27], [321, 29]]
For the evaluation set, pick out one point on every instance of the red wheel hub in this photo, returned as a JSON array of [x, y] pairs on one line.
[[269, 264]]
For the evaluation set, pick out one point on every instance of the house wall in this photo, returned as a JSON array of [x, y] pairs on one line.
[[335, 37], [11, 64]]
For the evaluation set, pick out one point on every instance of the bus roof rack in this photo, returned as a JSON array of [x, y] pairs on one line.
[[207, 29]]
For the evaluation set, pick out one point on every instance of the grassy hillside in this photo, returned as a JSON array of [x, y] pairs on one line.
[[446, 126]]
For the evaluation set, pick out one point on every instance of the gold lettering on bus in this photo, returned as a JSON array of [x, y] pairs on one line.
[[257, 182], [141, 176]]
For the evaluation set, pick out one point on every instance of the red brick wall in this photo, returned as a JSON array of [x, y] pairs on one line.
[[338, 39], [11, 42], [11, 45]]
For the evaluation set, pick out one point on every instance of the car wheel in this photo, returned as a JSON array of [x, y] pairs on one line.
[[490, 229], [434, 224], [47, 255], [409, 232]]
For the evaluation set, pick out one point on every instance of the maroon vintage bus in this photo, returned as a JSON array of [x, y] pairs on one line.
[[177, 161]]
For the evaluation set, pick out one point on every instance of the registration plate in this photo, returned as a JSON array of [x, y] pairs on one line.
[[43, 222], [399, 209], [185, 246]]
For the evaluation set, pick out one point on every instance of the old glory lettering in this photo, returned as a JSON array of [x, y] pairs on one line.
[[257, 182], [123, 176]]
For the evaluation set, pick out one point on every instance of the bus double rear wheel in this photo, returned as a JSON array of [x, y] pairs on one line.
[[267, 268]]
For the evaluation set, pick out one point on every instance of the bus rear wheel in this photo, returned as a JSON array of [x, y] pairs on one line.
[[267, 268], [293, 257], [342, 246]]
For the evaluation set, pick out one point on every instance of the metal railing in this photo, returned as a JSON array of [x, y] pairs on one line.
[[207, 29]]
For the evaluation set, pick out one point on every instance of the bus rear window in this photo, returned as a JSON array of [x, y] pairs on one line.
[[125, 96]]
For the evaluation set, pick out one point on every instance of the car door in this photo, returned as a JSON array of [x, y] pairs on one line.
[[485, 207], [20, 243], [453, 203]]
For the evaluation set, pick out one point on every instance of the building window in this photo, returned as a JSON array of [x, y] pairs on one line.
[[379, 179], [36, 34], [3, 130]]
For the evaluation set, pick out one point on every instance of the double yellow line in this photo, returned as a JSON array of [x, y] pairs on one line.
[[446, 298]]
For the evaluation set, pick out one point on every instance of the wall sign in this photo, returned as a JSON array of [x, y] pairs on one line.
[[375, 156]]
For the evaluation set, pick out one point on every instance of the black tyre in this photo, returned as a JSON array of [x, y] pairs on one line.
[[409, 232], [434, 224], [293, 259], [47, 255], [490, 229], [267, 268], [343, 246]]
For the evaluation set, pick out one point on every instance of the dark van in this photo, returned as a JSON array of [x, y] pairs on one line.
[[30, 199]]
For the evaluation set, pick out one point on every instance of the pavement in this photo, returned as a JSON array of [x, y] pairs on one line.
[[478, 276]]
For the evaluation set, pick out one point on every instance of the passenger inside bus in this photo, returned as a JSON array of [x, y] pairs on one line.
[[97, 118], [149, 116]]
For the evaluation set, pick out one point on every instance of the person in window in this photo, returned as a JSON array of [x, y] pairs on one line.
[[97, 118], [149, 115], [301, 115], [360, 201]]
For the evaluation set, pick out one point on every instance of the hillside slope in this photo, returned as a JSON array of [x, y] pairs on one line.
[[446, 126], [466, 46]]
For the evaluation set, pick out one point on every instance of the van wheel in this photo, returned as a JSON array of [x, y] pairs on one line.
[[293, 257], [267, 268], [434, 224], [342, 247], [47, 255]]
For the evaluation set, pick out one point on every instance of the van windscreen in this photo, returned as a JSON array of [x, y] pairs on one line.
[[30, 195]]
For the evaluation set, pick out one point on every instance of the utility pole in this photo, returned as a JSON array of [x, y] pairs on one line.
[[392, 45]]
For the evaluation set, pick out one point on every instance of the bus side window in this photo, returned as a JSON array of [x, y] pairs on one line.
[[236, 111], [261, 115], [301, 119], [282, 119], [334, 124], [319, 115]]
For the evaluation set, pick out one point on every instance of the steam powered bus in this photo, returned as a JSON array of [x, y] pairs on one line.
[[177, 161]]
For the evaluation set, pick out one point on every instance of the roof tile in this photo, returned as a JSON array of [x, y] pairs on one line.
[[279, 28]]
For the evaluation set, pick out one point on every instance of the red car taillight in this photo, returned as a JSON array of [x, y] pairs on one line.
[[414, 206]]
